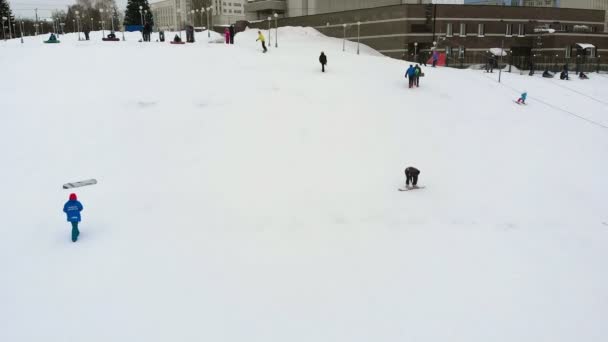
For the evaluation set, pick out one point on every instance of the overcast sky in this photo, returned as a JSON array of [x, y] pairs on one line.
[[25, 8]]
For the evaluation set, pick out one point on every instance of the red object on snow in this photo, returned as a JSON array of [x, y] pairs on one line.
[[440, 61], [73, 197]]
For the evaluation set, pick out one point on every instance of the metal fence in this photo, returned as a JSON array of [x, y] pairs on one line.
[[539, 63]]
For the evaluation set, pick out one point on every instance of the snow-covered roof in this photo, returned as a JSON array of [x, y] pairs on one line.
[[585, 46]]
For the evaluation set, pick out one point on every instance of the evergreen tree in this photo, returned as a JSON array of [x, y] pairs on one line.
[[133, 16], [5, 9]]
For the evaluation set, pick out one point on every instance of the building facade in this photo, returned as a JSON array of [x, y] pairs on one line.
[[176, 14], [261, 9], [543, 36]]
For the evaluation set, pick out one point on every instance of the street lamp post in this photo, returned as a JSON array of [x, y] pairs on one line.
[[112, 19], [92, 24], [141, 14], [103, 31], [3, 30], [73, 23], [35, 29], [78, 23], [21, 29], [358, 35], [415, 51], [178, 11], [344, 38], [10, 34], [276, 30], [269, 38], [192, 17], [208, 24]]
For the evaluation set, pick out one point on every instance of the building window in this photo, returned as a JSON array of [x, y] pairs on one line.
[[448, 30], [461, 51], [480, 30], [509, 32], [568, 53], [463, 29], [521, 30], [448, 51]]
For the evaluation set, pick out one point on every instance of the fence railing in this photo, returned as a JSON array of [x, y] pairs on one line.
[[539, 63]]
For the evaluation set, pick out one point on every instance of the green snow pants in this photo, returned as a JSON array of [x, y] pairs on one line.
[[75, 231]]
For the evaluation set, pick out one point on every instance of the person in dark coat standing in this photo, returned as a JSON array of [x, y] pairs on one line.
[[232, 33], [418, 73], [147, 31], [323, 61], [72, 209], [411, 176]]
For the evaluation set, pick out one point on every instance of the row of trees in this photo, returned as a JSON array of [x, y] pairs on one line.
[[90, 14]]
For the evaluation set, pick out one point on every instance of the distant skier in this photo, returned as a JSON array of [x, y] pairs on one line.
[[323, 61], [72, 209], [435, 58], [262, 40], [227, 35], [411, 74], [232, 31], [583, 76], [522, 98], [411, 176]]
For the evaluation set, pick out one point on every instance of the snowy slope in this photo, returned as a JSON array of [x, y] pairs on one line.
[[249, 197]]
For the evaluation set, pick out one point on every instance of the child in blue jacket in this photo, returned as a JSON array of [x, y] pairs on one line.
[[522, 99], [72, 209]]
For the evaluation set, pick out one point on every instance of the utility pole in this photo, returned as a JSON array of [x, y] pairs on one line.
[[36, 14]]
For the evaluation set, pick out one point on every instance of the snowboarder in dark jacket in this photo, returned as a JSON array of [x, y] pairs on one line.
[[411, 176], [72, 209], [323, 61]]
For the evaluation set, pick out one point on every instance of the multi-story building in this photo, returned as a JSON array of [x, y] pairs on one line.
[[466, 34], [261, 9], [175, 14]]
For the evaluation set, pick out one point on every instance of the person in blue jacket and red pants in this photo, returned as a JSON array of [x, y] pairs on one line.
[[72, 209]]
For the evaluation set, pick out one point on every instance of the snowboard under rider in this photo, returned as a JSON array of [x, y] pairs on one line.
[[411, 176], [72, 209]]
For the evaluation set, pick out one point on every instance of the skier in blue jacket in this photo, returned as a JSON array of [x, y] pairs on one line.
[[72, 209], [411, 74]]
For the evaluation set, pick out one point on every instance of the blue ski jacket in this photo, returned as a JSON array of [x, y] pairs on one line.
[[411, 72], [523, 96], [72, 210]]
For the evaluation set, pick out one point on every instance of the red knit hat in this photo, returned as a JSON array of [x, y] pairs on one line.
[[73, 197]]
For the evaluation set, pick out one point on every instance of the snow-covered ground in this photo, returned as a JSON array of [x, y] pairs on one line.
[[249, 197]]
